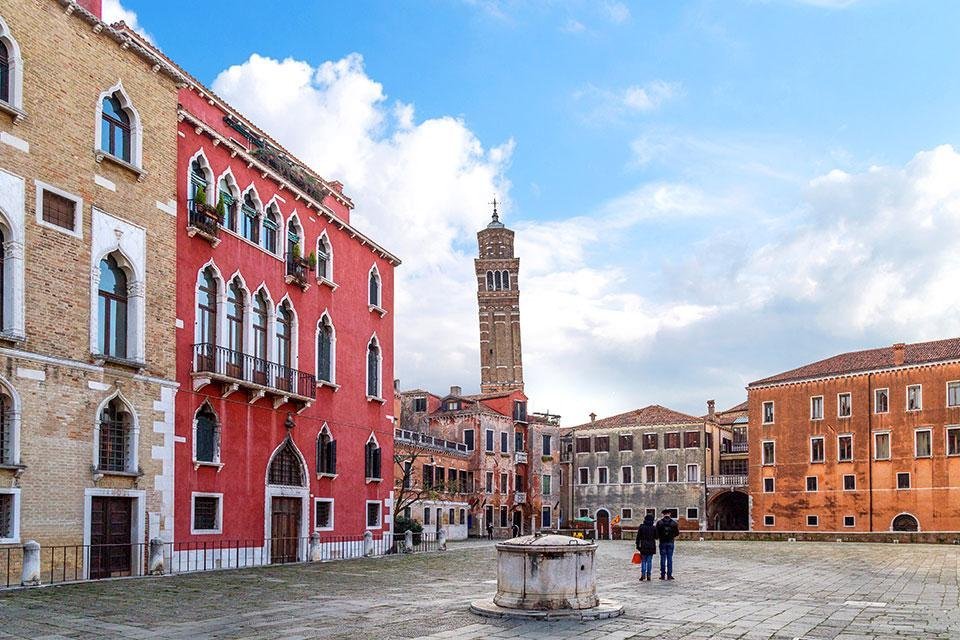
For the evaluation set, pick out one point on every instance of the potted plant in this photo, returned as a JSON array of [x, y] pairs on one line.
[[221, 208], [296, 252], [312, 260], [200, 199]]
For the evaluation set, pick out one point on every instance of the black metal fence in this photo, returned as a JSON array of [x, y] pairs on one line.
[[212, 358], [203, 218]]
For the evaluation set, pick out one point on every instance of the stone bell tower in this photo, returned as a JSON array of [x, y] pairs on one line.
[[498, 292]]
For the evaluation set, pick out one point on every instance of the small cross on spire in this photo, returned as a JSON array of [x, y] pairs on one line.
[[496, 218]]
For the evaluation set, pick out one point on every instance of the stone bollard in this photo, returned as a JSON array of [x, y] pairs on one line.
[[367, 544], [442, 540], [408, 541], [155, 568], [31, 564], [316, 554]]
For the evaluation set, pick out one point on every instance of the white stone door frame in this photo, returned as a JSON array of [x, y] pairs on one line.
[[278, 491], [138, 516]]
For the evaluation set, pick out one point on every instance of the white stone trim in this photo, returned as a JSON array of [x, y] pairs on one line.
[[165, 481], [201, 532], [14, 415], [138, 520], [12, 208], [366, 522], [16, 67], [77, 231], [136, 126], [378, 396], [106, 183], [294, 332], [14, 538], [13, 141], [333, 348], [333, 506], [133, 458]]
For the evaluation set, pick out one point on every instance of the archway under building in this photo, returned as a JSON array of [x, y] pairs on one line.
[[905, 522], [729, 511], [603, 524]]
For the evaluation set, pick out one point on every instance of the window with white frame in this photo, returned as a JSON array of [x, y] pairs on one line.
[[234, 211], [488, 485], [119, 130], [326, 349], [116, 442], [923, 441], [323, 514], [546, 484], [583, 513], [626, 513], [626, 475], [206, 436], [324, 258], [844, 405], [545, 520], [650, 474], [11, 71], [693, 473], [602, 475], [9, 426], [813, 521], [583, 475], [9, 515], [546, 444], [372, 455], [768, 412], [881, 445], [844, 448], [849, 482], [374, 514], [881, 401], [812, 484], [206, 516], [767, 452], [816, 449], [375, 297], [113, 308], [693, 513], [849, 521], [903, 480], [488, 441], [914, 397], [269, 238], [768, 485], [953, 394], [768, 520], [673, 473], [373, 368], [504, 442], [953, 441], [504, 483], [816, 408], [326, 452], [58, 209]]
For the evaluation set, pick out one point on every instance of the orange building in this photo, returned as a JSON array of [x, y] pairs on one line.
[[862, 441]]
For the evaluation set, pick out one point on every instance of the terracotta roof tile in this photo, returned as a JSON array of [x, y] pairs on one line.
[[648, 416], [870, 360]]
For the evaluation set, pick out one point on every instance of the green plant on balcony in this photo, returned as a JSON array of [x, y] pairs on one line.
[[312, 260]]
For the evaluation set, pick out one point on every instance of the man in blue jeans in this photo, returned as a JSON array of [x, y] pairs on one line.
[[667, 531]]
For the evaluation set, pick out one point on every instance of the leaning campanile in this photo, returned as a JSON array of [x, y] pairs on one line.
[[501, 367]]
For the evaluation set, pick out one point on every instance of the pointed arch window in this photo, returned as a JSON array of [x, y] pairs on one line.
[[271, 227], [198, 180], [326, 452], [112, 309], [373, 369], [261, 318], [285, 468], [3, 280], [489, 280], [325, 350], [506, 280], [236, 302], [226, 205], [115, 128], [115, 446], [4, 72], [8, 429], [285, 335], [372, 460], [207, 436], [497, 281], [375, 297], [324, 258], [11, 71], [251, 219], [207, 291], [293, 239]]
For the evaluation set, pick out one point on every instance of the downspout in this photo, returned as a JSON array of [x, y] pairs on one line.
[[870, 444], [703, 524]]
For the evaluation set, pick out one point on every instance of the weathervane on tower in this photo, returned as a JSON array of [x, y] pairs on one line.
[[495, 222]]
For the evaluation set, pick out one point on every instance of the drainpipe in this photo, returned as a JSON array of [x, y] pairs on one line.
[[870, 444]]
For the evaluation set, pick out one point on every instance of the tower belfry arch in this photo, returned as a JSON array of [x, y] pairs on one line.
[[498, 295]]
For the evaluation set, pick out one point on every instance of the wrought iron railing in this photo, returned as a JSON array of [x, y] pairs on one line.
[[297, 268], [243, 367], [429, 441], [202, 217], [727, 481], [738, 447]]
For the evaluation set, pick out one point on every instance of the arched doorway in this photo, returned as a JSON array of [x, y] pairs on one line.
[[286, 504], [728, 511], [603, 524], [905, 522]]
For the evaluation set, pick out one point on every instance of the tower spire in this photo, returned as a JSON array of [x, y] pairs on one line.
[[495, 222]]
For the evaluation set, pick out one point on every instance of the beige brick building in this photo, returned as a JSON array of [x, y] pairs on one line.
[[88, 148]]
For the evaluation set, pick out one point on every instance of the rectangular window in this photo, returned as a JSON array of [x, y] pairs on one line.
[[849, 521], [488, 486], [881, 446], [672, 473], [323, 520], [767, 452], [626, 514], [489, 442], [601, 443], [649, 441], [519, 411], [650, 474], [625, 442], [903, 480], [626, 475], [583, 513], [504, 442], [816, 449], [671, 440], [813, 521], [693, 513], [602, 475], [923, 442], [881, 401], [768, 520], [547, 445], [583, 445], [845, 448], [546, 484], [503, 516], [953, 394], [691, 439], [58, 209], [673, 513], [849, 482], [768, 485], [768, 412], [9, 515], [693, 473], [468, 439], [816, 408], [811, 484], [545, 517], [503, 483], [206, 513], [649, 511], [914, 397], [844, 405], [953, 441], [419, 405], [427, 476], [374, 513], [584, 475]]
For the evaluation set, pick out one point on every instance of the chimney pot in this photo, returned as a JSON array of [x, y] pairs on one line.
[[455, 390], [898, 353], [711, 408], [593, 417]]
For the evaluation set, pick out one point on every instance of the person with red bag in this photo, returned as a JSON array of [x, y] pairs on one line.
[[646, 546]]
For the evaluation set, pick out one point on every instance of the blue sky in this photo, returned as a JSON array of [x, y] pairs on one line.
[[704, 192]]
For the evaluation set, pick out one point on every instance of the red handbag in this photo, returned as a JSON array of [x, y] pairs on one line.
[[636, 558]]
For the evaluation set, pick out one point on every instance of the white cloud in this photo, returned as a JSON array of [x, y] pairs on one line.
[[573, 26], [605, 105], [616, 12], [113, 12]]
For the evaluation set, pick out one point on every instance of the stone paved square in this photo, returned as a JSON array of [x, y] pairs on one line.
[[727, 590]]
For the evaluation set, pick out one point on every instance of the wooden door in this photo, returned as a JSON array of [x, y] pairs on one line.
[[285, 530], [110, 537], [603, 525]]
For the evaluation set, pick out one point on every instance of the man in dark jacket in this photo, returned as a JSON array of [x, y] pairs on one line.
[[667, 531], [647, 546]]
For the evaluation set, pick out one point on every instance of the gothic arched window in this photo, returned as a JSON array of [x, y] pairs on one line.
[[112, 309], [207, 291], [506, 280], [207, 435], [4, 73], [375, 297], [372, 460], [285, 468], [115, 129], [115, 444], [198, 180], [271, 226], [324, 258], [325, 342], [373, 369], [326, 452]]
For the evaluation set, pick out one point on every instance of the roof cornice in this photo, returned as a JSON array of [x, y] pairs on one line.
[[852, 374]]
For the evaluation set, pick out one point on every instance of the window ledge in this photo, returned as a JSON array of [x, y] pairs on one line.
[[18, 114], [100, 359], [327, 283], [375, 399], [17, 468], [205, 532], [101, 155], [332, 476], [332, 385], [369, 480], [6, 336], [198, 463], [378, 309], [122, 474]]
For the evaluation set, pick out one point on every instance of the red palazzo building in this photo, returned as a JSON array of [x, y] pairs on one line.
[[284, 347]]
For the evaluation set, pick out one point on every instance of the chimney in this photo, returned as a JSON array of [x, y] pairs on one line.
[[898, 350], [337, 186], [455, 391], [711, 409], [93, 6], [593, 417], [396, 384]]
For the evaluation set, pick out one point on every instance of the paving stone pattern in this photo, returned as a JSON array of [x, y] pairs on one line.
[[725, 590]]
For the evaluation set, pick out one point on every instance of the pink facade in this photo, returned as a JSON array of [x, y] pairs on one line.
[[318, 360]]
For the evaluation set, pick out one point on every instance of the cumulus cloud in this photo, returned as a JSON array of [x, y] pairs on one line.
[[113, 12], [606, 105]]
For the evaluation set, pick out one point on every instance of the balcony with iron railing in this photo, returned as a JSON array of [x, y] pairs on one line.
[[297, 271], [738, 447], [727, 481], [520, 457], [429, 442], [520, 497], [237, 369], [203, 220]]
